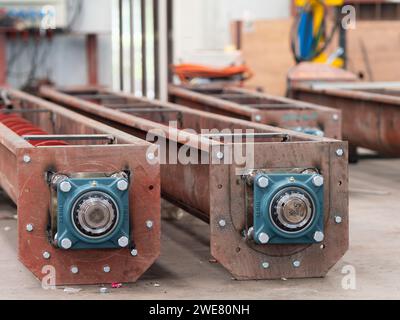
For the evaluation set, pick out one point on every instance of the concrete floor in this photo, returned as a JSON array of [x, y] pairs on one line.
[[184, 270]]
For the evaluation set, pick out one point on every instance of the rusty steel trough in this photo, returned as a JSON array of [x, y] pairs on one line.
[[88, 148], [260, 107], [215, 190], [371, 117]]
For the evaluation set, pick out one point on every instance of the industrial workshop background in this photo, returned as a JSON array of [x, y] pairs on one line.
[[164, 149]]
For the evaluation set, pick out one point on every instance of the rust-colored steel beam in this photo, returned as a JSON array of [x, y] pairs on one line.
[[261, 108], [32, 172], [220, 191], [370, 120], [92, 59]]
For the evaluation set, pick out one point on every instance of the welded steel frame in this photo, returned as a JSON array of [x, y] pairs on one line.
[[22, 176], [215, 193], [277, 111]]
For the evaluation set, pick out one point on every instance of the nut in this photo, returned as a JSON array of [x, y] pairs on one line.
[[220, 155], [296, 263], [27, 158], [263, 182], [265, 265], [338, 219], [318, 180], [149, 224], [74, 269], [107, 269], [29, 227], [123, 242], [134, 253], [46, 255], [122, 185], [65, 186], [340, 152], [319, 236], [222, 223], [263, 238], [66, 243]]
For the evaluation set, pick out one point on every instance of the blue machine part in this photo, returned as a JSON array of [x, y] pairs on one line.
[[288, 208], [93, 213], [309, 130]]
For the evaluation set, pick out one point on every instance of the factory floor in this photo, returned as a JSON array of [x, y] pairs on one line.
[[185, 269]]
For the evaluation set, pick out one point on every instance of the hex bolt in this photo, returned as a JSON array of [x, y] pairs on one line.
[[296, 264], [263, 182], [319, 236], [29, 227], [263, 238], [74, 269], [27, 158], [338, 220], [65, 186], [222, 223], [66, 243], [340, 152], [257, 118], [122, 185], [292, 179], [220, 155], [318, 180], [265, 265], [46, 255], [107, 269], [335, 117], [151, 156], [134, 252], [149, 224], [123, 242]]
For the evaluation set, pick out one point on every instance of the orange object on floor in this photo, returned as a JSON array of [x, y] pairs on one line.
[[188, 72]]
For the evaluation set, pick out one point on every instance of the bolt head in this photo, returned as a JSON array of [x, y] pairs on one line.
[[27, 158], [149, 224], [222, 223], [134, 253], [296, 264], [318, 180], [292, 179], [123, 242], [66, 243], [107, 269], [257, 118], [65, 186], [29, 227], [263, 182], [335, 117], [340, 152], [122, 185], [151, 156], [319, 236], [338, 220], [220, 155], [263, 238], [74, 269], [46, 255], [265, 265]]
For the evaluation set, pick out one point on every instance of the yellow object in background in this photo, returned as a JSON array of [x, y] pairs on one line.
[[332, 3]]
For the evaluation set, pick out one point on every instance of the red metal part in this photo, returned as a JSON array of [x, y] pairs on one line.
[[23, 168], [215, 191], [23, 127]]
